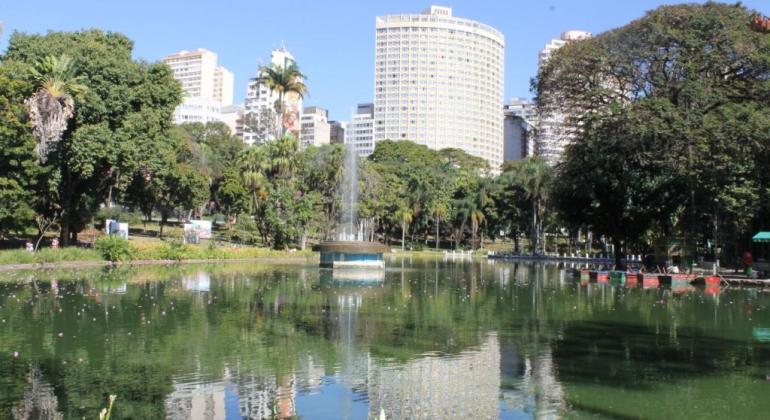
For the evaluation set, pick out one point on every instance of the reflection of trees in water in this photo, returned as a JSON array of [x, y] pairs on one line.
[[299, 329], [39, 401]]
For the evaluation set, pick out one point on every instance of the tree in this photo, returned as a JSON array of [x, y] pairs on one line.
[[285, 80], [231, 195], [52, 105], [210, 147], [123, 120], [701, 72], [619, 198], [183, 188], [404, 214], [19, 170], [535, 178], [440, 210], [265, 124]]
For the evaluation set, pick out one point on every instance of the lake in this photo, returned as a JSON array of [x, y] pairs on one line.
[[426, 338]]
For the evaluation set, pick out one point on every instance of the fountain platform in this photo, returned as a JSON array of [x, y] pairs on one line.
[[352, 254]]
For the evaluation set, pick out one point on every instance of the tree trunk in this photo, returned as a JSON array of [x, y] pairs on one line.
[[403, 234], [474, 230], [163, 219], [64, 235], [617, 246], [438, 225], [535, 235]]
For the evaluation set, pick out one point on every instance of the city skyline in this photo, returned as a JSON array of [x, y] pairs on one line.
[[242, 40]]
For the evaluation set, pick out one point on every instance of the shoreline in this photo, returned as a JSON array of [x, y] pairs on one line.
[[96, 264]]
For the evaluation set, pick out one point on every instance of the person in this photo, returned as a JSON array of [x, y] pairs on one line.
[[30, 247], [748, 260], [55, 243]]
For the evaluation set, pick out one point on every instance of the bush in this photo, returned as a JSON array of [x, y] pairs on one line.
[[114, 248], [174, 250]]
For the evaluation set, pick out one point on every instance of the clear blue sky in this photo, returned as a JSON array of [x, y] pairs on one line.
[[333, 41]]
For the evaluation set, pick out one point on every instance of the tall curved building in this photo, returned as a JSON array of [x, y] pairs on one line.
[[438, 81]]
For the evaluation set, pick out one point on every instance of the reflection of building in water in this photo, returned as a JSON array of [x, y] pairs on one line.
[[196, 401], [39, 401], [258, 396], [199, 282], [463, 386], [548, 391], [309, 375], [529, 383], [261, 397]]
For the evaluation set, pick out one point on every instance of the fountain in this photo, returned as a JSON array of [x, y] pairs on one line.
[[351, 249]]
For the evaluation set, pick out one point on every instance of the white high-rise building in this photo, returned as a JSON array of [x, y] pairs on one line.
[[207, 86], [314, 127], [552, 136], [223, 85], [360, 130], [201, 76], [439, 82], [259, 97]]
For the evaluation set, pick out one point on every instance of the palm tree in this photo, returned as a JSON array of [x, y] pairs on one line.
[[254, 166], [52, 105], [404, 213], [477, 218], [535, 177], [284, 80], [283, 155], [440, 211]]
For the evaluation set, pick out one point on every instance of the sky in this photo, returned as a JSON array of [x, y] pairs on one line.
[[332, 41]]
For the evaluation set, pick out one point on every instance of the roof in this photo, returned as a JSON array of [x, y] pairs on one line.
[[761, 237]]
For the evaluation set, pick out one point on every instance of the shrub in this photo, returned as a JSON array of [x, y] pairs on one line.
[[174, 250], [114, 248]]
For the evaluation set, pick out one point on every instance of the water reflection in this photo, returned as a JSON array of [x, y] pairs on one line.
[[425, 339]]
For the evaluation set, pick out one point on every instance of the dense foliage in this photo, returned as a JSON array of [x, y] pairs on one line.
[[671, 127]]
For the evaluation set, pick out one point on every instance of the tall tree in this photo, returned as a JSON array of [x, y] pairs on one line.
[[53, 104], [123, 120], [706, 68], [19, 169], [285, 80]]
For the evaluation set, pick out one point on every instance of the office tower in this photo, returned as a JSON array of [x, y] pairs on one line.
[[360, 130], [314, 127], [439, 82], [337, 132], [519, 120], [552, 135]]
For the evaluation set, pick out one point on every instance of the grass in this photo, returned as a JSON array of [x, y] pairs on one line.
[[48, 255], [148, 249]]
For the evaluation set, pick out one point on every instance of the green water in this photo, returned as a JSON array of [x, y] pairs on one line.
[[425, 339]]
